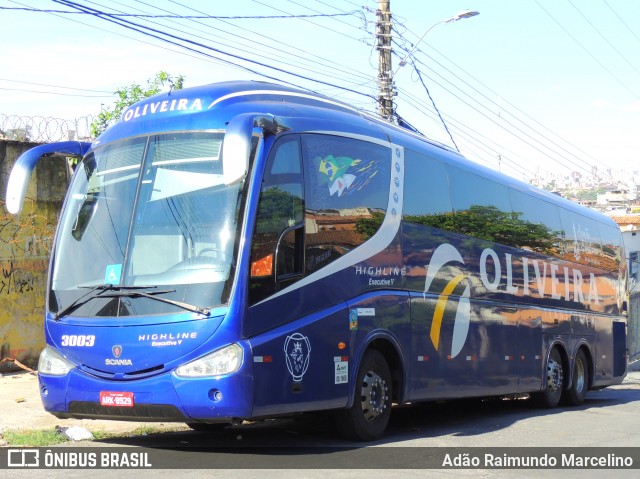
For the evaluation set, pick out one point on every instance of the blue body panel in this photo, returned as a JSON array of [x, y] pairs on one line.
[[486, 334], [163, 397], [142, 347]]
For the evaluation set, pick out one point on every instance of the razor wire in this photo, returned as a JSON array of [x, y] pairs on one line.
[[40, 129]]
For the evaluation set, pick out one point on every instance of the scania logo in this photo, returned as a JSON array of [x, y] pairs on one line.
[[116, 349], [444, 255], [297, 350]]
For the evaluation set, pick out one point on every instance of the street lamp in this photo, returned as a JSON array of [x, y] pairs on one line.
[[455, 18]]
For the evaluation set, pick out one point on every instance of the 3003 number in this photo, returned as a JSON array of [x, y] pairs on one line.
[[80, 340]]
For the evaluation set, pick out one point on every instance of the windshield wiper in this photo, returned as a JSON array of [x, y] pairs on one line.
[[113, 291], [132, 293]]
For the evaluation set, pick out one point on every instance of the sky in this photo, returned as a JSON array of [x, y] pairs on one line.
[[527, 87]]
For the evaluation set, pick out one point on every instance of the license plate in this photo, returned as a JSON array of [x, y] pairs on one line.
[[116, 399]]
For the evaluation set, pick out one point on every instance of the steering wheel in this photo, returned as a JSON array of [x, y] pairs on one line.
[[201, 260], [210, 250]]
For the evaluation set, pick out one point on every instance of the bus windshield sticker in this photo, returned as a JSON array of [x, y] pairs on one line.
[[113, 273], [353, 320], [336, 171], [341, 372], [341, 182], [297, 350]]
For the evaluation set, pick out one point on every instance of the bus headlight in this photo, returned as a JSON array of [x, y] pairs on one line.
[[223, 361], [52, 363]]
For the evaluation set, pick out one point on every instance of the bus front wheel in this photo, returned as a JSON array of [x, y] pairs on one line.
[[554, 382], [369, 415]]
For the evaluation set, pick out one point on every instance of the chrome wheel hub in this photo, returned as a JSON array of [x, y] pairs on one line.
[[554, 375], [579, 376], [374, 395]]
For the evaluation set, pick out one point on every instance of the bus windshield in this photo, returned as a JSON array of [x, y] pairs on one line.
[[150, 212]]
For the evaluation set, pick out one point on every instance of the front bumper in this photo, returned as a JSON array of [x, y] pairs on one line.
[[164, 397]]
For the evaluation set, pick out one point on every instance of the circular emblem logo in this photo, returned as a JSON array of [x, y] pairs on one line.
[[297, 350]]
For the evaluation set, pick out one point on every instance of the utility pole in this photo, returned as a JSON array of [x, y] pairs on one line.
[[385, 72]]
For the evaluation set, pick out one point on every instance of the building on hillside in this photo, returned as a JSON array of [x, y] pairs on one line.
[[615, 201]]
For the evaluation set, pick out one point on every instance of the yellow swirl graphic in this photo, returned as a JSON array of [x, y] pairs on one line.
[[440, 307]]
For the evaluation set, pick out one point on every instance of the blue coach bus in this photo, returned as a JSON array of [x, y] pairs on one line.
[[245, 250]]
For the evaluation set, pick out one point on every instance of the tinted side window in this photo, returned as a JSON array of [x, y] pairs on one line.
[[581, 242], [347, 192], [481, 207], [536, 223], [469, 189], [280, 209], [611, 246], [426, 191]]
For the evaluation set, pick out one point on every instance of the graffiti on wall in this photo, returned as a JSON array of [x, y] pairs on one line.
[[25, 246]]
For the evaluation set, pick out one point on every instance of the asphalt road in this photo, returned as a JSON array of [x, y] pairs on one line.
[[308, 447]]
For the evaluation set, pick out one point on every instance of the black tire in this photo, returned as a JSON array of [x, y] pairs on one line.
[[369, 415], [554, 382], [204, 427], [574, 396]]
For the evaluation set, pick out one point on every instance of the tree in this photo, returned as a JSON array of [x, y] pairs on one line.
[[491, 224], [128, 95]]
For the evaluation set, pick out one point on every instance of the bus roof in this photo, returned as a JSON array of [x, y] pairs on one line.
[[212, 106]]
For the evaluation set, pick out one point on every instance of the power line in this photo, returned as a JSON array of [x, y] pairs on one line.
[[180, 52], [362, 78], [267, 55], [184, 17], [473, 137], [530, 140], [309, 21], [434, 104], [194, 52], [200, 50], [521, 112], [604, 37], [54, 86], [543, 144], [476, 99], [173, 39], [474, 140], [588, 52], [303, 55], [622, 21], [253, 46], [55, 93], [317, 13]]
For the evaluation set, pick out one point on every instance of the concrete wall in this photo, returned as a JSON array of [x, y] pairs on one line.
[[25, 246]]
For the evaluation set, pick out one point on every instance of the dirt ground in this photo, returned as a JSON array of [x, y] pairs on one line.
[[22, 410]]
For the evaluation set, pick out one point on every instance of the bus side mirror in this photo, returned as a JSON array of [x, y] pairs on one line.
[[26, 163], [236, 147]]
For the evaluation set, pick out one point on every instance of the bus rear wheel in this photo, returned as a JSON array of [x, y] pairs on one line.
[[554, 382], [369, 415], [574, 396]]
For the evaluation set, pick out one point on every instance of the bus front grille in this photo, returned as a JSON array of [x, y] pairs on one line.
[[139, 412]]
